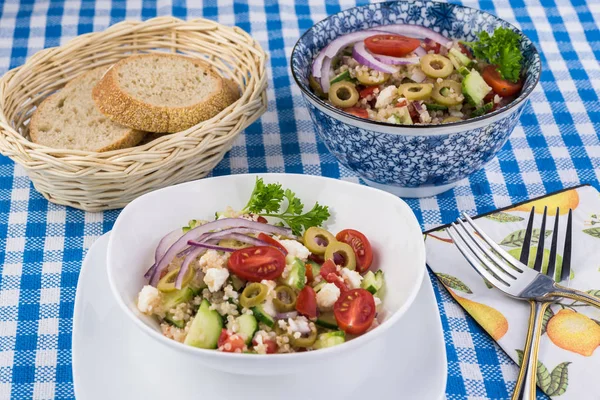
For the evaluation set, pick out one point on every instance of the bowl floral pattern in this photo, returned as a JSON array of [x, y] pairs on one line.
[[419, 155]]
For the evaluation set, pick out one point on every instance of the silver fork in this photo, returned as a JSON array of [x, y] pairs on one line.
[[515, 279]]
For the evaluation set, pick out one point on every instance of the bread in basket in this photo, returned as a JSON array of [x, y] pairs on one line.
[[100, 181]]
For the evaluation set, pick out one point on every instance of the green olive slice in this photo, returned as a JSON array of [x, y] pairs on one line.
[[416, 91], [341, 254], [436, 66], [317, 239], [285, 298], [254, 294], [305, 341], [366, 78], [442, 93], [167, 283], [343, 94]]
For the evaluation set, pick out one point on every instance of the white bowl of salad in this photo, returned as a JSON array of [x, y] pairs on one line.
[[264, 275]]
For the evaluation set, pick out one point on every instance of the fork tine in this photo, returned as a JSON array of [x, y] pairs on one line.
[[492, 268], [566, 264], [486, 252], [490, 242], [539, 256], [553, 247], [471, 259], [527, 239]]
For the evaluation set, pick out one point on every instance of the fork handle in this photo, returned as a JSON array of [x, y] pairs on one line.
[[529, 385], [577, 295], [520, 384]]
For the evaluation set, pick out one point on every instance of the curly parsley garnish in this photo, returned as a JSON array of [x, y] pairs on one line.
[[502, 50], [267, 200]]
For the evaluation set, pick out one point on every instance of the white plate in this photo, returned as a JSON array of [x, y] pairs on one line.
[[112, 359]]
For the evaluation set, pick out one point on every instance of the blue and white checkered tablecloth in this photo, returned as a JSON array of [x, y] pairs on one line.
[[42, 245]]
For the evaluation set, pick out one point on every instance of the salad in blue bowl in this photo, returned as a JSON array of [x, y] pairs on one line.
[[414, 96]]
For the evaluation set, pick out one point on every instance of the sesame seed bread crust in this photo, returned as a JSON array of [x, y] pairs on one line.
[[115, 94], [69, 119]]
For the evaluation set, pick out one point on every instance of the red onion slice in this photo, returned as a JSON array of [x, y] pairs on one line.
[[290, 314], [396, 60], [417, 75], [420, 51], [196, 251], [417, 31], [325, 75], [219, 224], [333, 48], [162, 248], [360, 54], [209, 246]]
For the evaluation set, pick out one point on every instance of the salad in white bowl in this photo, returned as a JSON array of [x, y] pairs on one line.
[[265, 279], [145, 226]]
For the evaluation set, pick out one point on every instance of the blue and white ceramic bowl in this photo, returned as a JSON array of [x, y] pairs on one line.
[[415, 160]]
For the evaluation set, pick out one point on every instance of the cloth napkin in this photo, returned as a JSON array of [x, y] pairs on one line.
[[569, 352]]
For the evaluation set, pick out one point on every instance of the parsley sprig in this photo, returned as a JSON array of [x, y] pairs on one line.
[[500, 49], [268, 200]]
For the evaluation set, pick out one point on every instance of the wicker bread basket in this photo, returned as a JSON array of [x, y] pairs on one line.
[[100, 181]]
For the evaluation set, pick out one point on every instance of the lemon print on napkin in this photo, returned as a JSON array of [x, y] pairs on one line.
[[574, 332], [564, 200]]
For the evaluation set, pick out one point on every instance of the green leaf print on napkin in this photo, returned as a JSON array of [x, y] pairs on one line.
[[559, 380], [547, 315], [515, 239], [453, 282], [595, 232], [553, 384], [504, 217], [594, 292]]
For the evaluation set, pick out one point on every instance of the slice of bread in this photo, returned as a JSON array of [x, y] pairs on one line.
[[162, 92], [69, 119]]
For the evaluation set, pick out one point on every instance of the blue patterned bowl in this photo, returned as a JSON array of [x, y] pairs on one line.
[[416, 160]]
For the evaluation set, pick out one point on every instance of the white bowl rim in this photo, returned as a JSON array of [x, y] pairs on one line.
[[419, 129], [308, 355]]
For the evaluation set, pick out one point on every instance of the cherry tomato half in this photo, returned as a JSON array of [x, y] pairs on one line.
[[257, 263], [361, 246], [272, 242], [357, 111], [309, 273], [306, 302], [354, 311], [271, 345], [502, 87], [366, 92], [230, 343], [465, 50], [327, 268], [391, 45], [261, 219], [330, 273]]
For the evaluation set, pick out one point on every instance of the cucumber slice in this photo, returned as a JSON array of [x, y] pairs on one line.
[[460, 57], [206, 328], [327, 320], [176, 297], [262, 316], [319, 286], [372, 282], [474, 88], [435, 107], [483, 109], [457, 64], [344, 76], [463, 71], [191, 225], [297, 275], [248, 326], [316, 268], [330, 339], [237, 283]]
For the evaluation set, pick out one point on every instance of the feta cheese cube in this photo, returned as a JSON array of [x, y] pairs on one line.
[[352, 278], [148, 299], [299, 324], [294, 249], [215, 278], [327, 296], [386, 96]]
